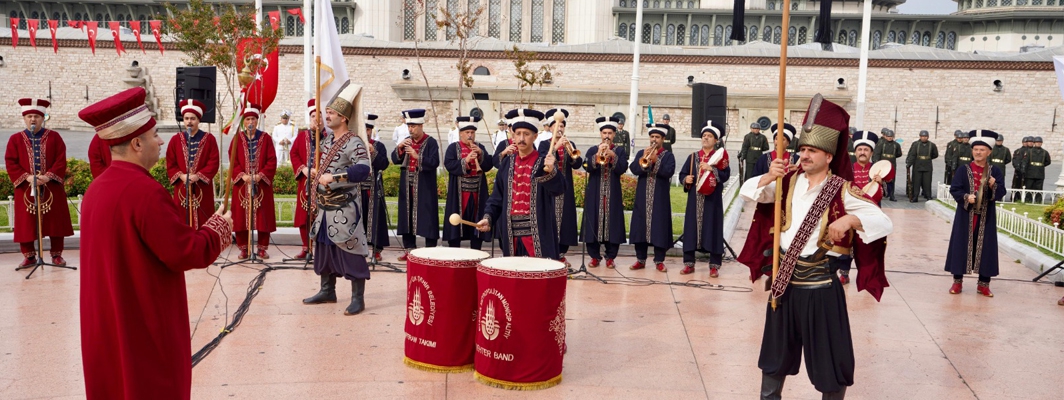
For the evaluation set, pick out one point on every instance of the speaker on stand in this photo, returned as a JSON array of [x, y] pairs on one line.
[[708, 102], [199, 83]]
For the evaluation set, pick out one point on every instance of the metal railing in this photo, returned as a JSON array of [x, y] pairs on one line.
[[1043, 234], [1045, 197]]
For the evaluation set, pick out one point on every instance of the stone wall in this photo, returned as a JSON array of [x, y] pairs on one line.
[[964, 98]]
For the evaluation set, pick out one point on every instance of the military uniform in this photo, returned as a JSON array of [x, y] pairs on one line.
[[1000, 156], [670, 136], [754, 144], [920, 155], [952, 152], [624, 140], [888, 150], [1037, 161], [851, 151], [1019, 166]]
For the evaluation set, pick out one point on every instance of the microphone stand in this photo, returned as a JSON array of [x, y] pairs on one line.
[[35, 144], [188, 175], [307, 189], [601, 221], [250, 218], [376, 193]]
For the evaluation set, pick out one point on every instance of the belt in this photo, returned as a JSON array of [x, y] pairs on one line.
[[997, 161], [812, 272], [521, 225], [964, 158], [1036, 164], [888, 156], [924, 157], [755, 148], [469, 183]]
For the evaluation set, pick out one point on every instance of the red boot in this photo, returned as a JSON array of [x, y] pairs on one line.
[[59, 261], [302, 255], [28, 262], [714, 271], [566, 262], [956, 288], [610, 264], [594, 263], [262, 254], [377, 257], [844, 279], [661, 267], [984, 289], [687, 269], [638, 266], [243, 254], [402, 258]]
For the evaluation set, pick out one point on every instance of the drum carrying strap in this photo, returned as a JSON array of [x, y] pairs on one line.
[[823, 200]]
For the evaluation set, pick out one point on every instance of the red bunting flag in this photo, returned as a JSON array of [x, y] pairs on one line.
[[75, 24], [116, 32], [33, 25], [14, 32], [135, 26], [93, 27], [299, 12], [156, 28], [275, 19], [53, 26]]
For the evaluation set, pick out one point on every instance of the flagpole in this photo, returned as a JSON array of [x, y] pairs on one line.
[[862, 77], [307, 52], [633, 96], [776, 206]]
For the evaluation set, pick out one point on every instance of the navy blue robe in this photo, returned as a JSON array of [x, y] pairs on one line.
[[611, 189], [978, 253], [703, 221], [565, 203], [765, 160], [425, 217], [495, 159], [456, 168], [544, 187], [652, 194], [376, 221]]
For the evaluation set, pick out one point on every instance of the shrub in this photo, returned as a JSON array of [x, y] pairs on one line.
[[1053, 214], [284, 180], [628, 187], [579, 187], [391, 181], [7, 189], [78, 177], [159, 173]]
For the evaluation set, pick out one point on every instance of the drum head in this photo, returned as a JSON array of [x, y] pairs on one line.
[[880, 168], [449, 254], [523, 264], [871, 188], [702, 178], [715, 158]]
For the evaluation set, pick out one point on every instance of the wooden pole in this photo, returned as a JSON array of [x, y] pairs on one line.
[[780, 151]]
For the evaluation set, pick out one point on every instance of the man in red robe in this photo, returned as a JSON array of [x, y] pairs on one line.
[[302, 156], [99, 157], [36, 162], [191, 163], [135, 248], [864, 144], [254, 165]]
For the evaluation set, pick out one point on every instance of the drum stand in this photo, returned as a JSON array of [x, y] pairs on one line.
[[583, 254], [373, 264]]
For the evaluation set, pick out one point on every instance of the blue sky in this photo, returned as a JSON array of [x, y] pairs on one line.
[[928, 7]]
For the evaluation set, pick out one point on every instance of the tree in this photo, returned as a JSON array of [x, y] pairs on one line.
[[528, 76], [414, 9], [461, 29]]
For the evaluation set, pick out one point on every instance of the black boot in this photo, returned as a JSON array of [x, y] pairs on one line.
[[771, 387], [358, 290], [327, 294], [841, 394]]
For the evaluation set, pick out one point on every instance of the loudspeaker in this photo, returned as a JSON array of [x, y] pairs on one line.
[[197, 83], [708, 102]]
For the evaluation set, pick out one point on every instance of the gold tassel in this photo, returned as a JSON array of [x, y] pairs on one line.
[[436, 368], [517, 385]]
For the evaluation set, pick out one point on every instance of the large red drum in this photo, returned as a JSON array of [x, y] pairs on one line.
[[441, 308], [520, 322]]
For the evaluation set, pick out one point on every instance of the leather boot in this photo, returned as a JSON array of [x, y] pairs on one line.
[[327, 294], [358, 290], [841, 394], [771, 387]]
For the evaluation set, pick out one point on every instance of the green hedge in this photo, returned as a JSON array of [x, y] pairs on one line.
[[7, 189]]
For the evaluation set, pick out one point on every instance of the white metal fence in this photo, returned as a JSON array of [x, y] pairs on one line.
[[1046, 197], [1042, 234]]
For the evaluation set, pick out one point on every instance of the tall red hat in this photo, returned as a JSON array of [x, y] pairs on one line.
[[193, 106], [121, 117], [33, 106], [252, 110], [822, 128], [310, 106]]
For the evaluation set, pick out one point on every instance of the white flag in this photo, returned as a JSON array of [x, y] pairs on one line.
[[327, 46], [1058, 64]]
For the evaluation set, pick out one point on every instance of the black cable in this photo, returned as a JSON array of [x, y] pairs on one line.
[[945, 275]]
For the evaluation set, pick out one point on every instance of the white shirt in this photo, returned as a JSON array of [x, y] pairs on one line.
[[875, 223], [283, 132], [499, 137], [400, 134], [452, 136], [543, 135]]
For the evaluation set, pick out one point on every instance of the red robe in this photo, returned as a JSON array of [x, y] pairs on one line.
[[135, 248], [265, 158], [861, 178], [99, 156], [206, 164], [55, 219], [301, 156]]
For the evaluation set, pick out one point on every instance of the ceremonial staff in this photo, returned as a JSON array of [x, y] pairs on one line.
[[245, 78], [776, 205]]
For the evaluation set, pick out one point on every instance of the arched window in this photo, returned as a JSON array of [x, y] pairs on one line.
[[803, 35], [777, 35], [537, 21], [794, 5], [143, 23], [657, 3], [940, 40], [690, 4], [77, 16], [1006, 3], [290, 26], [766, 36], [979, 3], [718, 35], [622, 31], [727, 35], [646, 4], [991, 3], [557, 27], [670, 35], [915, 38], [681, 33], [299, 29], [37, 15], [927, 39], [631, 32], [656, 37], [1021, 2], [752, 36], [646, 33], [770, 5], [409, 21], [515, 20], [481, 70], [951, 41], [791, 35], [892, 37], [99, 18], [705, 36], [345, 25], [902, 36], [694, 35], [877, 39], [430, 19], [624, 3], [55, 16], [842, 37], [853, 38], [495, 18], [668, 4]]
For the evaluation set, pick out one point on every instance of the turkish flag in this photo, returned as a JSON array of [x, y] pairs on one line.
[[33, 25], [116, 32], [299, 12], [14, 32], [263, 89], [275, 19], [53, 25], [93, 27], [135, 26], [156, 27], [75, 24]]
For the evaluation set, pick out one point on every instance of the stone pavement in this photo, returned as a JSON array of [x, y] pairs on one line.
[[624, 341]]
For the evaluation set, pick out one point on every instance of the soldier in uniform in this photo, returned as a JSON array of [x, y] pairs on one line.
[[888, 149], [622, 138], [754, 144], [670, 136], [951, 155], [1019, 166], [920, 155], [1000, 156], [1037, 161], [652, 215], [964, 152]]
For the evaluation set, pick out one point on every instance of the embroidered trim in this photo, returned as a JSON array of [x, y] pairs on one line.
[[552, 274], [431, 262], [823, 201], [222, 228]]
